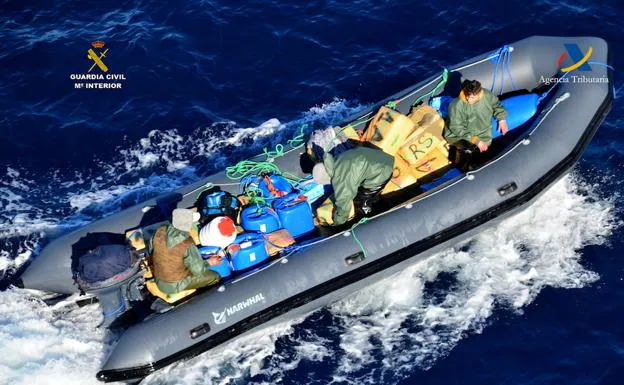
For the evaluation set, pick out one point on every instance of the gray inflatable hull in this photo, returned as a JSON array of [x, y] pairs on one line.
[[319, 275]]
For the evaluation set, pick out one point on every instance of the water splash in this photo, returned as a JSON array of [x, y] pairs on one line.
[[407, 322], [49, 345]]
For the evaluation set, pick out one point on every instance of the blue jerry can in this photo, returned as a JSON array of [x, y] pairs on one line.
[[251, 251], [294, 214], [262, 220]]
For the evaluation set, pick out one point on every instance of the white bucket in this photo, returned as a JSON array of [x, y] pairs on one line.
[[220, 232]]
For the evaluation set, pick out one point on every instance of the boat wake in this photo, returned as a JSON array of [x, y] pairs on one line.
[[409, 321]]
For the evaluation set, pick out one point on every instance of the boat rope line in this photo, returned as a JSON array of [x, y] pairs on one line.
[[480, 61], [357, 240], [206, 186], [443, 79], [445, 75], [245, 167], [560, 99], [503, 59], [545, 94], [290, 250], [607, 66], [203, 188]]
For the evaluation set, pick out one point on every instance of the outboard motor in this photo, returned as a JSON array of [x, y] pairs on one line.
[[113, 274]]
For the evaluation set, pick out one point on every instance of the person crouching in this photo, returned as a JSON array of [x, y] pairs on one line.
[[357, 175]]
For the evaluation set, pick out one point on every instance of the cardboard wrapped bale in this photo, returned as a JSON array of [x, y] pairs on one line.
[[401, 174], [278, 240], [389, 188], [388, 130], [418, 148], [325, 212], [427, 120]]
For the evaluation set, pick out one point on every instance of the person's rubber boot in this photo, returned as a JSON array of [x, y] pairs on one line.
[[364, 200]]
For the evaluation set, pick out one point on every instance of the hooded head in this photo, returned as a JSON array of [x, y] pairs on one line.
[[183, 219], [320, 174]]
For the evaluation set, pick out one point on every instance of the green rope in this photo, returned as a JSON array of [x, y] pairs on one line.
[[435, 89], [361, 222], [360, 122], [256, 197], [299, 139], [279, 151], [245, 167]]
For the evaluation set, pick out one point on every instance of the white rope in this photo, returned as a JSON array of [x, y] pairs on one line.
[[209, 185], [480, 61], [453, 70]]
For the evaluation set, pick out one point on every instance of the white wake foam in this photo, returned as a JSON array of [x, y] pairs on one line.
[[401, 324], [48, 345]]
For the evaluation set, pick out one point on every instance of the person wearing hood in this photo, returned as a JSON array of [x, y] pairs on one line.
[[176, 262], [470, 116], [357, 175]]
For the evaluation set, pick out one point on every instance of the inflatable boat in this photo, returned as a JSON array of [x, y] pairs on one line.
[[566, 90]]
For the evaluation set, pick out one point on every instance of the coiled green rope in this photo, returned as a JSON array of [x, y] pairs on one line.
[[245, 167]]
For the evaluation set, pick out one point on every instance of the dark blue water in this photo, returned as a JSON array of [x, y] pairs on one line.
[[537, 301]]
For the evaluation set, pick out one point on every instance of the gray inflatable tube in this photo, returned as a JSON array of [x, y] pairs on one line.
[[332, 268]]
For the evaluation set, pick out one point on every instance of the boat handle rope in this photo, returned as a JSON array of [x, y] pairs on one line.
[[504, 57], [607, 66]]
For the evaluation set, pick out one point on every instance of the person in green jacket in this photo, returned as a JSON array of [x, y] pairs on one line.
[[470, 116], [176, 262], [357, 175]]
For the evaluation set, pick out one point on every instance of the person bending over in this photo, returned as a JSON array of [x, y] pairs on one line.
[[357, 175]]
